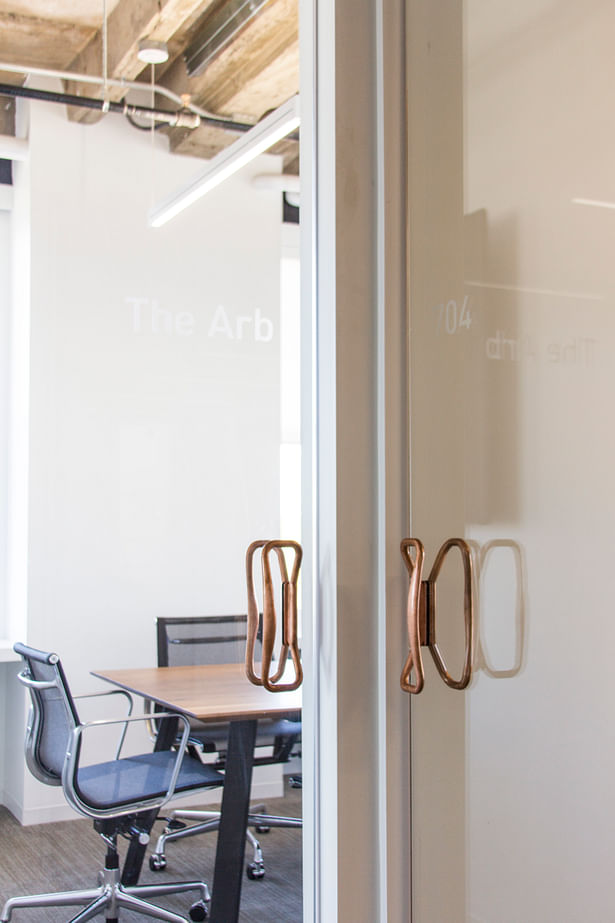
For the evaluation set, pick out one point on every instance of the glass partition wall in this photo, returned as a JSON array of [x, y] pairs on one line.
[[164, 425]]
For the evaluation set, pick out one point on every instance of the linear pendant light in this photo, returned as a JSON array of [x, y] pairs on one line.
[[261, 137]]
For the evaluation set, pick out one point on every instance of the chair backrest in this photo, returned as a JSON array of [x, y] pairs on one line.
[[53, 715], [191, 640]]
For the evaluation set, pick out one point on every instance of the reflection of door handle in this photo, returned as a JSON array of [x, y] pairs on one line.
[[269, 680], [422, 614]]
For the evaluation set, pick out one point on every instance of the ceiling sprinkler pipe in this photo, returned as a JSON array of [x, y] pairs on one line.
[[174, 119], [180, 118], [124, 84]]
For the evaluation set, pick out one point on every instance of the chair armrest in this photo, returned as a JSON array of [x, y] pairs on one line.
[[151, 725], [71, 767], [106, 692], [95, 695]]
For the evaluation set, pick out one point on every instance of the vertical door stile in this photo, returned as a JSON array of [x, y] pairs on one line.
[[361, 858], [393, 461]]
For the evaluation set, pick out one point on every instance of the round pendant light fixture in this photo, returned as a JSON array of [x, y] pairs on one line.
[[152, 52]]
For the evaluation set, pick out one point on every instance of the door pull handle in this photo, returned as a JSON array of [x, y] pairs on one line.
[[422, 612], [268, 677]]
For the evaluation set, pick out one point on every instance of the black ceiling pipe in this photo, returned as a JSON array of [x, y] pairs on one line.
[[122, 108]]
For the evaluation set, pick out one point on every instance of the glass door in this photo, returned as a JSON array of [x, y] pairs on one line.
[[512, 339]]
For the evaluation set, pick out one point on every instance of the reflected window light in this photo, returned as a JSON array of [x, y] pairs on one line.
[[595, 203]]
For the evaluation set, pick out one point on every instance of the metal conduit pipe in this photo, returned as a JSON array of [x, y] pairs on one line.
[[118, 82], [180, 118]]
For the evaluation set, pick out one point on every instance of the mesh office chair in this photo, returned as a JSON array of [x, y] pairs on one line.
[[111, 793], [221, 639]]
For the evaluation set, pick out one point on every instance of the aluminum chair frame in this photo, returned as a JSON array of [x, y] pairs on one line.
[[110, 895]]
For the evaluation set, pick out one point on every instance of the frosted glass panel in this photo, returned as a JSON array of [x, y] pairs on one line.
[[512, 348]]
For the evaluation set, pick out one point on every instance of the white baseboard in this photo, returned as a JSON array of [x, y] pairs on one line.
[[48, 814]]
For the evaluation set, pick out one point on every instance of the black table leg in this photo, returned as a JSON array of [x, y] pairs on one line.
[[228, 870], [135, 854]]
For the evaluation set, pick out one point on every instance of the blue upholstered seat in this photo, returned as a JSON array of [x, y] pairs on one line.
[[148, 775]]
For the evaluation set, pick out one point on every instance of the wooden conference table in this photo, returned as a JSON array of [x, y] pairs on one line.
[[213, 692]]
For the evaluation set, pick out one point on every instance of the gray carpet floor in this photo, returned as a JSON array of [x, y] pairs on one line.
[[67, 855]]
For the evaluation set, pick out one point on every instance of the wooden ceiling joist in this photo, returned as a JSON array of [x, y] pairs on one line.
[[7, 116], [33, 42], [280, 76], [255, 74], [253, 54]]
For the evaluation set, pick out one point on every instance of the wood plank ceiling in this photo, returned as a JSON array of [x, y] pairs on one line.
[[251, 66]]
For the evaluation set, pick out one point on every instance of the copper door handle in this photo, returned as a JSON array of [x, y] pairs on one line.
[[414, 659], [422, 611], [266, 678]]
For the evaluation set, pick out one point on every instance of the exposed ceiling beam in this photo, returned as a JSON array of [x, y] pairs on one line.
[[7, 116], [207, 142], [202, 142], [264, 39], [39, 42], [292, 166], [130, 21], [280, 78], [254, 73], [261, 65]]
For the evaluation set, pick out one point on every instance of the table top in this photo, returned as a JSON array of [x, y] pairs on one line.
[[218, 692]]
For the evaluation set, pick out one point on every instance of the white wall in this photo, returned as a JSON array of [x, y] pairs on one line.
[[5, 292], [154, 396]]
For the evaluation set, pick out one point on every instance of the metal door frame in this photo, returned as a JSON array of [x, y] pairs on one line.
[[356, 738]]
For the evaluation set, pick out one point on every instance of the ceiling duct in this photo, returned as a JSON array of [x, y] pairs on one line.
[[218, 31]]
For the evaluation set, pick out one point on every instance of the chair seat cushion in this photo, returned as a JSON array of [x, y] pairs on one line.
[[136, 778]]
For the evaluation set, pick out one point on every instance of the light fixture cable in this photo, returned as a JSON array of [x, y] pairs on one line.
[[105, 57], [152, 136]]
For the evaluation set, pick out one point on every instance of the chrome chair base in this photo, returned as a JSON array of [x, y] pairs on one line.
[[110, 896], [210, 820]]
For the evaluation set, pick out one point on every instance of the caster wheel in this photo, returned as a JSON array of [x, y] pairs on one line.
[[157, 862], [262, 828], [255, 871], [198, 911]]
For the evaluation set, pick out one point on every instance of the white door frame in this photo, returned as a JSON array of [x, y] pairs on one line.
[[356, 719]]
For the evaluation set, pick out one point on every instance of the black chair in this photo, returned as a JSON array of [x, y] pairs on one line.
[[112, 793], [194, 640]]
